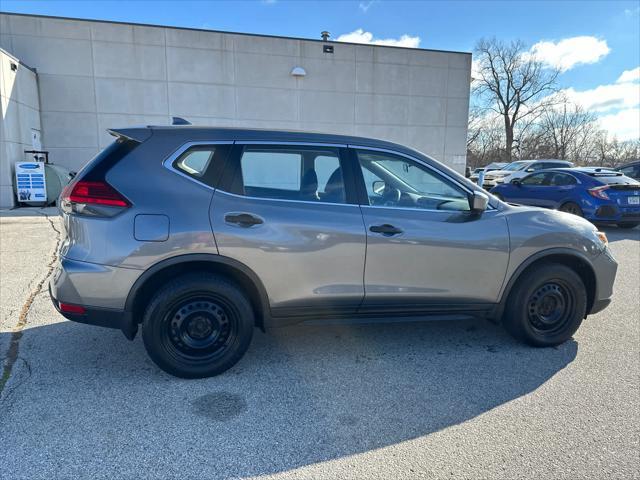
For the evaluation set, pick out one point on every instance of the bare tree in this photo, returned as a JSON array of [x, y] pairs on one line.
[[566, 127], [485, 139], [511, 82]]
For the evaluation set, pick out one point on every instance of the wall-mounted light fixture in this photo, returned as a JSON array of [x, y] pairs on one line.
[[298, 72], [14, 67]]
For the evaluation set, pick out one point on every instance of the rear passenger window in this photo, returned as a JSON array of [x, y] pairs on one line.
[[562, 179], [276, 170], [290, 173]]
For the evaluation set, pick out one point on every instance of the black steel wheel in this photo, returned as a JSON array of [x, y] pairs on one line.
[[572, 208], [546, 305], [198, 325], [550, 307]]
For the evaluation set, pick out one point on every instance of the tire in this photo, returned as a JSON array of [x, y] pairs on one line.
[[628, 224], [197, 325], [546, 305], [572, 208]]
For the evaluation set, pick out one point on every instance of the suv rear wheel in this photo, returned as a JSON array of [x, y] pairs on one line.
[[546, 306], [197, 325]]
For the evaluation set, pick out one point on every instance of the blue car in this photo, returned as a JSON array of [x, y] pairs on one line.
[[597, 194]]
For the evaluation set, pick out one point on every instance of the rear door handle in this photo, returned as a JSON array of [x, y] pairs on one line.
[[243, 219], [386, 229]]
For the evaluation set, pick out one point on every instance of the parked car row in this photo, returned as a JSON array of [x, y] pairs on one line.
[[598, 194], [520, 169]]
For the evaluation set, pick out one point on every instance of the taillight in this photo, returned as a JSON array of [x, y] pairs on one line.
[[93, 193], [599, 192], [68, 308]]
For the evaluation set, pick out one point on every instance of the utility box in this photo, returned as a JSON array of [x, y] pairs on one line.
[[31, 187]]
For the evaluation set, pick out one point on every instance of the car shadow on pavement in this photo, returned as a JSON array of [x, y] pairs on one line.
[[306, 394]]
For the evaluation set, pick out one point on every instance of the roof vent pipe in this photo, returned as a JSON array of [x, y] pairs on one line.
[[325, 36]]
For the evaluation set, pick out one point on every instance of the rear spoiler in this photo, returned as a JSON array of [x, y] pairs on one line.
[[611, 173], [137, 134]]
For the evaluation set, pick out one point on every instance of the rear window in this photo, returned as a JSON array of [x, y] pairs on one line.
[[98, 166], [610, 178]]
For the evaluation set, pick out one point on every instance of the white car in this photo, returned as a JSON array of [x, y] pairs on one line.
[[492, 166], [520, 169]]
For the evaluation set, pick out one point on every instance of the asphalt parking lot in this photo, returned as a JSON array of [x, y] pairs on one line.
[[429, 400]]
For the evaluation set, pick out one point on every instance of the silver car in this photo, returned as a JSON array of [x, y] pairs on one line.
[[202, 234]]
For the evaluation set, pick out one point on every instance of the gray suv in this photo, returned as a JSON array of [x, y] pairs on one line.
[[202, 234]]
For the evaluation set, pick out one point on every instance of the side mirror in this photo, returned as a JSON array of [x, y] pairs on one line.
[[378, 187], [478, 202], [516, 182]]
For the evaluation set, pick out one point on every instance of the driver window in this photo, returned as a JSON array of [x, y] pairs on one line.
[[394, 181]]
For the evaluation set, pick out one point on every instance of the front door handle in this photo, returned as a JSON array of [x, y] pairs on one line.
[[386, 229], [243, 219]]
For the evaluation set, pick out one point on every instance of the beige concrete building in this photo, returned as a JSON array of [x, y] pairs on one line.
[[93, 75]]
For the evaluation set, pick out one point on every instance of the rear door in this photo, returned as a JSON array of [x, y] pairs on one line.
[[533, 190], [562, 188], [289, 213]]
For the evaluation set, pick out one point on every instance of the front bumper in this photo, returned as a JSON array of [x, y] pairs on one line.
[[489, 183], [605, 268]]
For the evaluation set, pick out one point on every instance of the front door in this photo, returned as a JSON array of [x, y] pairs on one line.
[[284, 212], [425, 249]]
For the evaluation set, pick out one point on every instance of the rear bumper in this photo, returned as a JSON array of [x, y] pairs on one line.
[[612, 213], [101, 317], [101, 290]]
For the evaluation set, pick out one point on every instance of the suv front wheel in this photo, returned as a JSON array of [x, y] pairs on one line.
[[546, 306], [197, 325]]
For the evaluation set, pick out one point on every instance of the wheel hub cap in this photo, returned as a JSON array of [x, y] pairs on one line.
[[199, 328], [549, 307]]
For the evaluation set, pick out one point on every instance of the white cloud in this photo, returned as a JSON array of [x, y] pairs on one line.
[[625, 124], [569, 52], [632, 75], [606, 97], [617, 105], [360, 36]]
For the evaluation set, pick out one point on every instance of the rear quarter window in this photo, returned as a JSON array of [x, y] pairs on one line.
[[203, 163]]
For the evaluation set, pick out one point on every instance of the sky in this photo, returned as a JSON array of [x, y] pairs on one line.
[[596, 45]]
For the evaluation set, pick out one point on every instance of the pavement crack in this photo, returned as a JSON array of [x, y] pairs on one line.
[[18, 329]]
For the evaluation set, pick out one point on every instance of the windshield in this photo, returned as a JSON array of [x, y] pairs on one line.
[[516, 166]]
